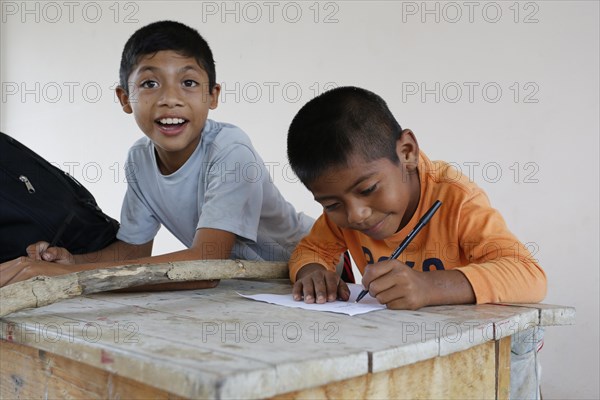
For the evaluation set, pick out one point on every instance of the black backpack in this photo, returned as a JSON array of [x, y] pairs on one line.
[[38, 201]]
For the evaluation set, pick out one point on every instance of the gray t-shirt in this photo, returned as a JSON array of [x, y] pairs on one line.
[[223, 185]]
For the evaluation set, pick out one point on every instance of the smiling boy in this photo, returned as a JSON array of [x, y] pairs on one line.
[[201, 179], [374, 185]]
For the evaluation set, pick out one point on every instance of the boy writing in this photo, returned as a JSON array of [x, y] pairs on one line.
[[374, 184], [201, 179]]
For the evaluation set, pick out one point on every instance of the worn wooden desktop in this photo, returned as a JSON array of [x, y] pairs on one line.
[[215, 344]]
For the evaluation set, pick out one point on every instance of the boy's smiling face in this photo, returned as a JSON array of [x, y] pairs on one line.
[[376, 197], [169, 97]]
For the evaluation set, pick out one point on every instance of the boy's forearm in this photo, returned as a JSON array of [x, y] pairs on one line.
[[116, 252], [208, 244], [119, 259], [448, 287], [507, 279]]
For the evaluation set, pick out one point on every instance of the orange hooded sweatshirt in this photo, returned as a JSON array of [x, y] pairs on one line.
[[466, 234]]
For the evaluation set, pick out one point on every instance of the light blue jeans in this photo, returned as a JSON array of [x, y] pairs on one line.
[[525, 369]]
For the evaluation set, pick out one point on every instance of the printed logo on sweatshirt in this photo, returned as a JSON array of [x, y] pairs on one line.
[[429, 264]]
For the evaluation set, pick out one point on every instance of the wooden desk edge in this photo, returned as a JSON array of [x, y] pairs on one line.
[[549, 314]]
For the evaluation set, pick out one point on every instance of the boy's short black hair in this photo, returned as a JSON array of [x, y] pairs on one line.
[[337, 125], [166, 35]]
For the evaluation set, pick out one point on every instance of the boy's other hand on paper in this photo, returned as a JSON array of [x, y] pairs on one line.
[[315, 284], [42, 251]]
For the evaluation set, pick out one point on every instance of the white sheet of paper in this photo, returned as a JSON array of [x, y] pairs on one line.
[[349, 307]]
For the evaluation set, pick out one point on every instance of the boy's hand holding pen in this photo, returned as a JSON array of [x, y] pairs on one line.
[[403, 245]]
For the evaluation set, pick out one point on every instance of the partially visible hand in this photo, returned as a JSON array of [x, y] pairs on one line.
[[42, 252], [23, 268], [314, 283], [396, 285]]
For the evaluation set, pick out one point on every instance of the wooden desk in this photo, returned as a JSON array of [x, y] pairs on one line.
[[215, 344]]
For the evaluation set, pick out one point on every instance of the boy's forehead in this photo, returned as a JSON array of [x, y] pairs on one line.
[[351, 172], [163, 58]]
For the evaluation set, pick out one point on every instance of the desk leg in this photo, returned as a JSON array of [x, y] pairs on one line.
[[503, 368]]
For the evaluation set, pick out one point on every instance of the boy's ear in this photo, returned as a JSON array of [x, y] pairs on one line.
[[407, 149], [124, 99], [214, 96]]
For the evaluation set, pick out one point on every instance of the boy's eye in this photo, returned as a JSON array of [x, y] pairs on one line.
[[330, 207], [190, 83], [148, 84], [369, 190]]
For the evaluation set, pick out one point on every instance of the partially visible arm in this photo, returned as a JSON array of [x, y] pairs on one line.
[[208, 244], [116, 251]]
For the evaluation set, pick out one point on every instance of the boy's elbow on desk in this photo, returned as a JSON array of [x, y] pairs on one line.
[[529, 287], [536, 284], [539, 289]]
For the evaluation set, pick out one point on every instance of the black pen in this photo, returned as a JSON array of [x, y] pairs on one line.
[[422, 222]]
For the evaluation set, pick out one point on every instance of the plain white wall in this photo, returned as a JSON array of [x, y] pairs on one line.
[[508, 91]]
